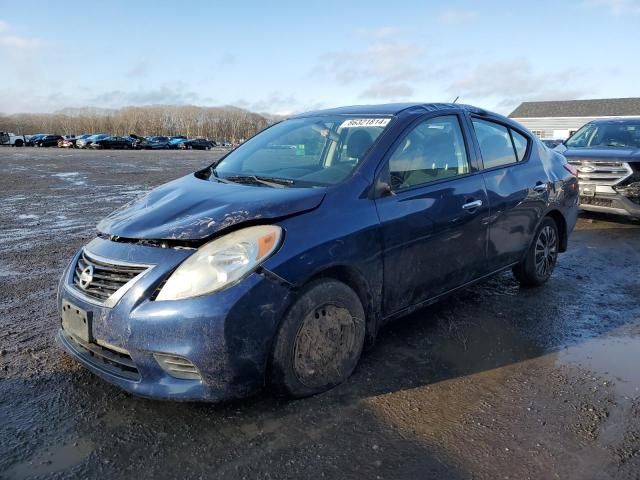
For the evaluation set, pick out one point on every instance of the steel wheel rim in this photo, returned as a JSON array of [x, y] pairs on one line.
[[546, 251], [324, 345]]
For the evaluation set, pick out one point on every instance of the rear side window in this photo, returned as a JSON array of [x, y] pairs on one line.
[[499, 145], [520, 143]]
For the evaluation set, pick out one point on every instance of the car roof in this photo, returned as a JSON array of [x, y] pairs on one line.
[[390, 109]]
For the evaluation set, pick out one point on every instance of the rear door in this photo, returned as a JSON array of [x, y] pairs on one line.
[[433, 219], [517, 187]]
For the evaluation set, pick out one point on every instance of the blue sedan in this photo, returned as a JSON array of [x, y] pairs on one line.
[[277, 264]]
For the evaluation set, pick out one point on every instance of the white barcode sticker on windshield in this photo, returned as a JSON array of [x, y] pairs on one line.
[[365, 122]]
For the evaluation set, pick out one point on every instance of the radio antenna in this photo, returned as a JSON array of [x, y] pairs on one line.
[[456, 99]]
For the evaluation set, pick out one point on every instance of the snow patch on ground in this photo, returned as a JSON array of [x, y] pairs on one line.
[[72, 177]]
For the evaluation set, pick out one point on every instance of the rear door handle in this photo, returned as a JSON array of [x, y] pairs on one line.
[[472, 205], [540, 187]]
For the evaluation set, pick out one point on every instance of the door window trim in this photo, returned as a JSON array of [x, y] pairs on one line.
[[509, 127]]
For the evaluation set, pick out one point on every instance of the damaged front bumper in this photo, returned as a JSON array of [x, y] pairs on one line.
[[212, 347], [618, 199]]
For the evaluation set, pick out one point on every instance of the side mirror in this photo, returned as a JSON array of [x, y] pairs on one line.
[[383, 189]]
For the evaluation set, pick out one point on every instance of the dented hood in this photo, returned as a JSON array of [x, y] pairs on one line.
[[594, 154], [192, 209]]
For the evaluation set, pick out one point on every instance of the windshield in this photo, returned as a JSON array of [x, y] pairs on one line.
[[607, 135], [305, 151]]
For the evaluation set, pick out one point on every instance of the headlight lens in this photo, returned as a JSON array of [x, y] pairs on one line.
[[222, 262]]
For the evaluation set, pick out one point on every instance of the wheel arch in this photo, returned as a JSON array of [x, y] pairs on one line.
[[561, 223], [354, 279]]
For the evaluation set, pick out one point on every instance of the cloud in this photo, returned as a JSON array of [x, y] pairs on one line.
[[618, 8], [11, 41], [274, 102], [456, 16], [139, 69], [382, 69], [228, 59], [515, 80], [167, 94], [380, 33], [384, 90]]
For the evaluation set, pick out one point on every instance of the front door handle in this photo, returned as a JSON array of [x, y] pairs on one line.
[[540, 187], [472, 205]]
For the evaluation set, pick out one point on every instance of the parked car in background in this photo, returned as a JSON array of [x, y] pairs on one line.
[[70, 141], [606, 154], [552, 143], [174, 143], [154, 143], [85, 142], [34, 138], [113, 142], [196, 144], [13, 140], [277, 264], [47, 141], [135, 140]]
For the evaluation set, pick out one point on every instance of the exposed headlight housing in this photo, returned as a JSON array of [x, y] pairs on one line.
[[222, 262]]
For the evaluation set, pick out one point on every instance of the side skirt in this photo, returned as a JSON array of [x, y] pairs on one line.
[[430, 301]]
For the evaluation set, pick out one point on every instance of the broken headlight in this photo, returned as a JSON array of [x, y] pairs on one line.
[[222, 262]]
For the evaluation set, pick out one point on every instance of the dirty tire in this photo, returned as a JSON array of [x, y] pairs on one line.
[[541, 258], [319, 341]]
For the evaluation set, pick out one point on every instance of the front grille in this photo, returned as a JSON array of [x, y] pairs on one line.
[[106, 276], [596, 201], [116, 362], [600, 172]]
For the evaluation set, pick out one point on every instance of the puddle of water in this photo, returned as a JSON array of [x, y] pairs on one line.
[[615, 357], [51, 460]]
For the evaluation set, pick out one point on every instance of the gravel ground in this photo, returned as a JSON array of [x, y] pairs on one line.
[[494, 382]]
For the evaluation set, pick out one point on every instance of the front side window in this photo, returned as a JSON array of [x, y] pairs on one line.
[[308, 151], [434, 150], [499, 145]]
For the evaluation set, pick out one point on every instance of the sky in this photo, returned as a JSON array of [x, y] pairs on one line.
[[291, 56]]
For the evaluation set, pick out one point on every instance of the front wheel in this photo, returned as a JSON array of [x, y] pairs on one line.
[[319, 341], [541, 258]]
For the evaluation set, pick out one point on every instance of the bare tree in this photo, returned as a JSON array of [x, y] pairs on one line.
[[217, 123]]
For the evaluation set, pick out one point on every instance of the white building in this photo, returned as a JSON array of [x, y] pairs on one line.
[[560, 119]]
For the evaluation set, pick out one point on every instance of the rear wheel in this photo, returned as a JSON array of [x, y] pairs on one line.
[[319, 341], [19, 143], [541, 258]]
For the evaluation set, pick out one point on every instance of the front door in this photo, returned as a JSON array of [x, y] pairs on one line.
[[434, 218]]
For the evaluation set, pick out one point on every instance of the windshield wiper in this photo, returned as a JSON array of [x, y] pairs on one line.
[[218, 178], [268, 181], [273, 182]]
